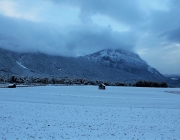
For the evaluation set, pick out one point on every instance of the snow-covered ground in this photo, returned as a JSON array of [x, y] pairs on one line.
[[84, 112]]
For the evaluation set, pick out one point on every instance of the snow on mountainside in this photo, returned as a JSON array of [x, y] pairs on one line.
[[20, 65], [108, 65], [118, 59], [124, 60], [8, 64]]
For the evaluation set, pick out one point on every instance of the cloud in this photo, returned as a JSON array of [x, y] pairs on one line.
[[165, 59], [14, 9], [172, 35], [71, 40], [81, 27], [125, 11], [22, 35]]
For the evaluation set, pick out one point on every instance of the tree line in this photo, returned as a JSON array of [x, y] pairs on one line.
[[76, 81]]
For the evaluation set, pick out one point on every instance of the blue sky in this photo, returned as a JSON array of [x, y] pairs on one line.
[[150, 28]]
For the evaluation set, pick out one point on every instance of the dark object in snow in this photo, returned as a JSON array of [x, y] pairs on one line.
[[12, 86], [102, 86]]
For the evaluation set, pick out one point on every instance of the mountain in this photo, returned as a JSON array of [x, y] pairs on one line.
[[125, 60], [108, 65], [8, 65], [174, 78]]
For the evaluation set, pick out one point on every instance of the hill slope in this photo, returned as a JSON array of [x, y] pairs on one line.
[[104, 65], [126, 61]]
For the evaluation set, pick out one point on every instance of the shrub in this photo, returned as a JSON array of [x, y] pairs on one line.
[[150, 84]]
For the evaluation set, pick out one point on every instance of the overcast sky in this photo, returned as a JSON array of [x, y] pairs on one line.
[[150, 28]]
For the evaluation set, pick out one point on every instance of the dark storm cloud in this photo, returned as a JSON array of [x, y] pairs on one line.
[[126, 11], [161, 22], [96, 39], [22, 35], [167, 23], [75, 40], [157, 23], [172, 35]]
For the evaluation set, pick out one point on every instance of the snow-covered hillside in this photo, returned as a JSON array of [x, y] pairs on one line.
[[117, 59], [84, 112], [8, 65], [124, 60], [114, 66]]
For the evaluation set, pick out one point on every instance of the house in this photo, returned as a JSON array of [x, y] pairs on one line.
[[102, 86], [12, 86]]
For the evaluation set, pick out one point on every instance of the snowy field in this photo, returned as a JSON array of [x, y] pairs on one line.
[[84, 112]]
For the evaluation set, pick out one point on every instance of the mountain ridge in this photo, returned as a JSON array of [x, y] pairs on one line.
[[43, 65], [124, 60]]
